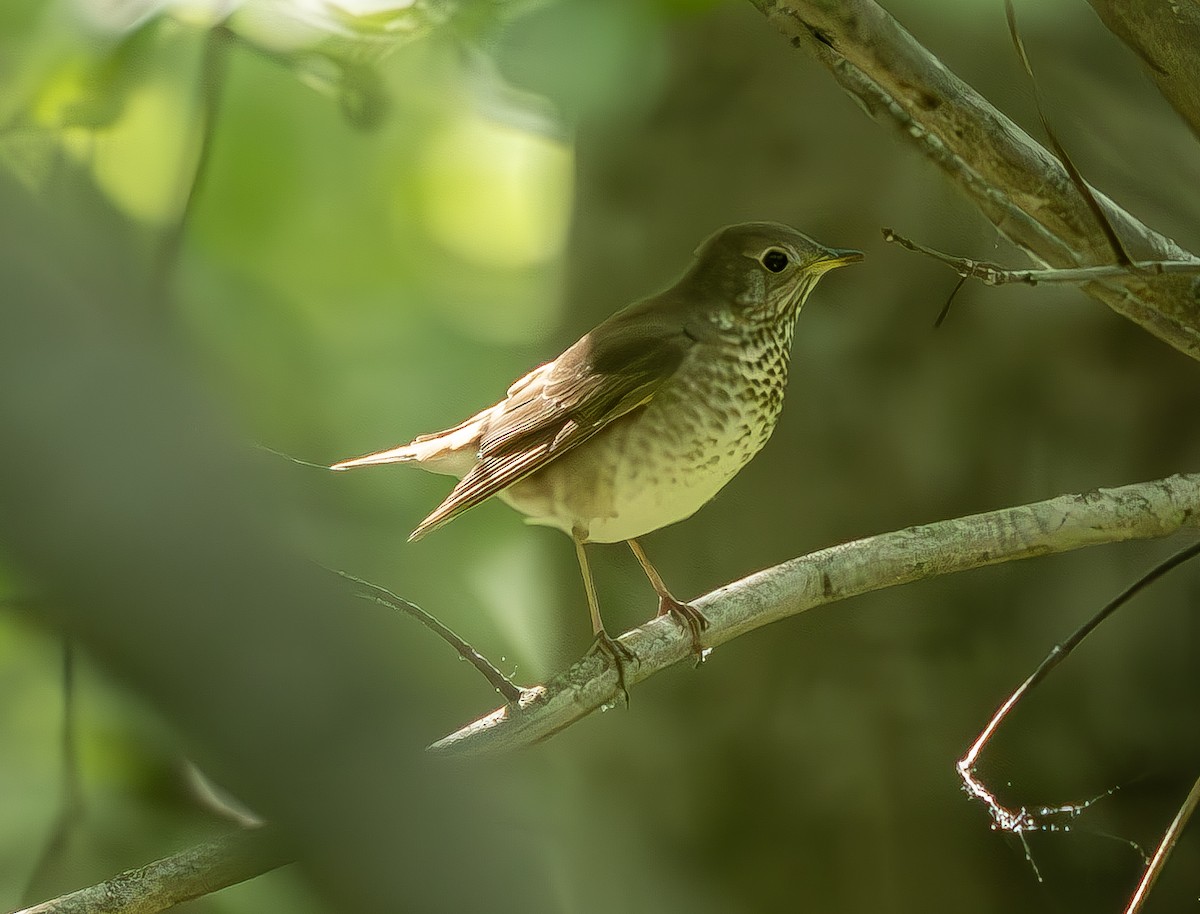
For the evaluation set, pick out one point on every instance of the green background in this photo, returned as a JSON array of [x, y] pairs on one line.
[[387, 232]]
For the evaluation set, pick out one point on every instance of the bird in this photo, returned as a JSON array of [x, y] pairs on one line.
[[646, 417]]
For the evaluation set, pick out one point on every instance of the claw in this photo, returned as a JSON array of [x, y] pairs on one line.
[[618, 653], [687, 616]]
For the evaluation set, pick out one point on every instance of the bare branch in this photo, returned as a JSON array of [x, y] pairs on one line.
[[1023, 819], [992, 274], [1140, 511], [384, 597], [1163, 851], [1015, 182], [199, 870]]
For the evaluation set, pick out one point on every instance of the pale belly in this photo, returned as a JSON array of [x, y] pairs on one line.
[[641, 473]]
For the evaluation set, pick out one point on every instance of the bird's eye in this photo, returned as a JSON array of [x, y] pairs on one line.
[[775, 260]]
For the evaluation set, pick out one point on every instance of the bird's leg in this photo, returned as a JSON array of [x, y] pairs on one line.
[[690, 617], [604, 643]]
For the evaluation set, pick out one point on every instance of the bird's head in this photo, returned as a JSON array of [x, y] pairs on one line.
[[759, 273]]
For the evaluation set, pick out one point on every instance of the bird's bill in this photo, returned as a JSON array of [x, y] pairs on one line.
[[836, 257]]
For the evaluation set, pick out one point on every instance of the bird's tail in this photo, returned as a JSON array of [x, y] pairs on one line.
[[402, 454], [452, 451]]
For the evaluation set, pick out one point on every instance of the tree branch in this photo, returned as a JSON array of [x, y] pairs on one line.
[[1015, 182], [197, 871], [1141, 511], [992, 274], [1166, 36]]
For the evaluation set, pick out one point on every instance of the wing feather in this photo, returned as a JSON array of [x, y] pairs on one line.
[[587, 387]]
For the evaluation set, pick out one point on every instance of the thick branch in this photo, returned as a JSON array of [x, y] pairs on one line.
[[1165, 34], [199, 870], [1141, 511], [1014, 181]]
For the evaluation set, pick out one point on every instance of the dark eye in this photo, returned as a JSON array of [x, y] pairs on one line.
[[775, 260]]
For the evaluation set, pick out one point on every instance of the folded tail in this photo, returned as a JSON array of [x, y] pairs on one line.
[[452, 451], [402, 454]]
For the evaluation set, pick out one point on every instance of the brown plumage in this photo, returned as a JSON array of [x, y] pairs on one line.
[[642, 420]]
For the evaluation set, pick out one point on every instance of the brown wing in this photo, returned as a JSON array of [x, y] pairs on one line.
[[610, 372]]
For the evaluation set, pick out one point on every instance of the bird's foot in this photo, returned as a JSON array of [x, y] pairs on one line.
[[689, 617], [618, 653]]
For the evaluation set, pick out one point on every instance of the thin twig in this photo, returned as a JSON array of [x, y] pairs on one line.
[[381, 595], [502, 684], [1163, 851], [1089, 197], [992, 274], [1023, 819], [949, 301]]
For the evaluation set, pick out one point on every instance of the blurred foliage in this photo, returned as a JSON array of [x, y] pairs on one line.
[[401, 207]]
